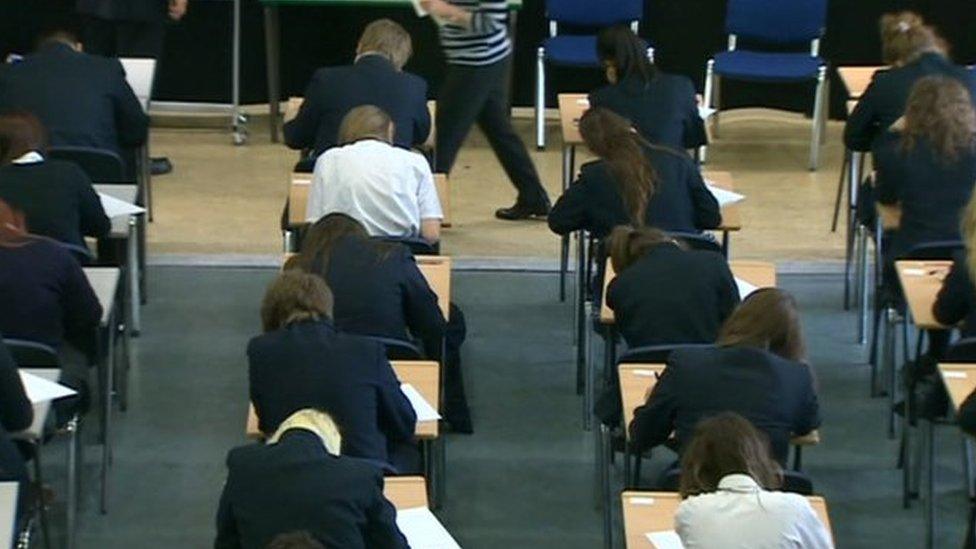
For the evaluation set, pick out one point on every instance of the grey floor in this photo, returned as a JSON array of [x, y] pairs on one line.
[[525, 479]]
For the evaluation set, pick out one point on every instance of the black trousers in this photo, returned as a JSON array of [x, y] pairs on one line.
[[124, 38], [480, 94]]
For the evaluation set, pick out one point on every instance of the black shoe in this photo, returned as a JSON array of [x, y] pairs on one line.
[[523, 211], [161, 166]]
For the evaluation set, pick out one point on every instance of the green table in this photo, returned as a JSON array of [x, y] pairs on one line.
[[272, 40]]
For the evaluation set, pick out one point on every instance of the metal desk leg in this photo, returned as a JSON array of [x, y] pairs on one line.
[[71, 498], [109, 375], [930, 481], [589, 371], [564, 244], [239, 122], [133, 269], [272, 45], [606, 491]]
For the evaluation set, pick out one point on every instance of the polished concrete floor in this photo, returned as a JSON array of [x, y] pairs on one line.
[[223, 199], [525, 478]]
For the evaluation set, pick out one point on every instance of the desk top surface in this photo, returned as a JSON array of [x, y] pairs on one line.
[[960, 381], [105, 282], [124, 192], [857, 79], [406, 492], [921, 282]]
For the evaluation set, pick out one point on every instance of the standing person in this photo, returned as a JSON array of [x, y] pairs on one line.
[[474, 35]]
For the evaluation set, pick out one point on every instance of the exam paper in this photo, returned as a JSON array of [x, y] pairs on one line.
[[423, 530], [724, 197], [39, 389], [706, 112], [665, 539], [117, 208], [423, 409], [745, 288]]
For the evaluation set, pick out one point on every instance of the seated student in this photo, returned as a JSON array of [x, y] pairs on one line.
[[376, 78], [755, 369], [379, 291], [302, 361], [300, 480], [633, 182], [929, 167], [56, 196], [82, 100], [295, 540], [390, 190], [914, 51], [956, 301], [729, 482], [16, 414], [662, 107]]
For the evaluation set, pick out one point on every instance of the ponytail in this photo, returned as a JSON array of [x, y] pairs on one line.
[[905, 36]]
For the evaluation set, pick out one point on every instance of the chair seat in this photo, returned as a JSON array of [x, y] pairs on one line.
[[578, 51], [766, 66]]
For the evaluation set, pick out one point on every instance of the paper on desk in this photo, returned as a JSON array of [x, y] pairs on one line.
[[745, 288], [665, 539], [423, 409], [724, 196], [117, 208], [706, 112], [423, 530], [949, 374], [39, 389]]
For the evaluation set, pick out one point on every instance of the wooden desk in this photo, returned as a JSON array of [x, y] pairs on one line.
[[437, 270], [646, 512], [960, 381], [921, 282], [857, 79], [571, 108], [292, 107], [131, 230], [758, 273], [406, 492], [424, 375], [731, 218]]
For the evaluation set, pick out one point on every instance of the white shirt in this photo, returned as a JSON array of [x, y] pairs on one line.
[[30, 157], [742, 515], [386, 188]]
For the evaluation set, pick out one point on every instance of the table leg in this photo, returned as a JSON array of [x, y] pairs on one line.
[[272, 45], [109, 358], [564, 243], [239, 120], [133, 269], [930, 481]]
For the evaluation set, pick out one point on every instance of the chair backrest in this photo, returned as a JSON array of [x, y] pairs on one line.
[[793, 481], [941, 249], [963, 350], [777, 21], [418, 246], [656, 353], [81, 253], [101, 165], [398, 349], [694, 241], [594, 13], [31, 354]]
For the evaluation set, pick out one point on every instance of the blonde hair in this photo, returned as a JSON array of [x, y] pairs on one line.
[[905, 36], [940, 110], [387, 38], [316, 422], [969, 235], [365, 122]]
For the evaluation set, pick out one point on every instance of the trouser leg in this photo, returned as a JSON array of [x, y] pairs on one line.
[[462, 96]]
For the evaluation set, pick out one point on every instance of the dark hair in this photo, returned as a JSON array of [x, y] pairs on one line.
[[321, 238], [295, 540], [20, 133], [613, 138], [59, 26], [295, 296], [940, 110], [726, 444], [905, 36], [13, 226], [767, 319], [628, 244], [619, 47]]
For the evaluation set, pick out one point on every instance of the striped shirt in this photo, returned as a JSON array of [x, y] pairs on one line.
[[486, 42]]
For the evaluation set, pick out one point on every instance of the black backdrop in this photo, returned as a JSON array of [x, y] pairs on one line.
[[197, 64]]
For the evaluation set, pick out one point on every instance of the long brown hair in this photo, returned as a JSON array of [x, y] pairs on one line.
[[940, 111], [295, 296], [618, 47], [13, 227], [767, 319], [613, 138], [20, 133], [905, 36], [628, 244], [321, 238], [727, 444]]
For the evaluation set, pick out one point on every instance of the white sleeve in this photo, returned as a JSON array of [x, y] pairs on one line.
[[316, 206], [428, 202], [811, 530]]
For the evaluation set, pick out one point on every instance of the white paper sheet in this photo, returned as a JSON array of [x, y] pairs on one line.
[[665, 539], [949, 374], [8, 512], [724, 197], [706, 112], [423, 409], [423, 530], [41, 390], [117, 208], [745, 287], [140, 74]]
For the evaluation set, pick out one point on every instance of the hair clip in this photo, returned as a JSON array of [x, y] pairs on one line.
[[903, 26]]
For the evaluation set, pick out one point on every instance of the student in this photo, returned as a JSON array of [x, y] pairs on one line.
[[390, 190], [633, 182], [301, 481], [474, 37], [662, 107], [83, 100], [914, 50], [379, 291], [302, 361], [56, 196], [756, 369], [295, 540], [729, 483], [956, 301], [16, 414], [375, 78], [929, 167]]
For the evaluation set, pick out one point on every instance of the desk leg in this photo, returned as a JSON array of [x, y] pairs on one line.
[[71, 497], [133, 270], [564, 244], [930, 481], [272, 44], [239, 120], [725, 244], [587, 366], [606, 492], [109, 357]]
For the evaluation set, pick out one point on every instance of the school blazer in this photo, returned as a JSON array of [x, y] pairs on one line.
[[664, 110], [681, 202], [956, 301], [16, 414], [83, 100], [775, 394], [310, 364], [372, 80], [883, 102], [296, 485]]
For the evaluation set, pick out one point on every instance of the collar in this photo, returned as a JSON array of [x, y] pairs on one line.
[[738, 482], [374, 57], [30, 157], [56, 46]]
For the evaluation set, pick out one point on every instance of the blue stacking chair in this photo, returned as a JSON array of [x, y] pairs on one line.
[[781, 24], [576, 50]]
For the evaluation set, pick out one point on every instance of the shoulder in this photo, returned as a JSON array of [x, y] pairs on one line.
[[242, 456], [677, 81], [593, 169], [413, 80]]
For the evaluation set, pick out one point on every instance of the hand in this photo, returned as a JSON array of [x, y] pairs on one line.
[[441, 9], [177, 9]]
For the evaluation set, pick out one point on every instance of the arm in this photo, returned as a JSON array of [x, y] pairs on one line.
[[952, 304], [227, 535], [653, 422], [862, 123], [808, 416], [381, 528], [486, 19], [131, 121], [398, 421], [79, 304], [94, 222], [708, 214], [421, 309], [16, 412], [570, 212], [430, 229], [300, 132], [421, 118], [429, 204]]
